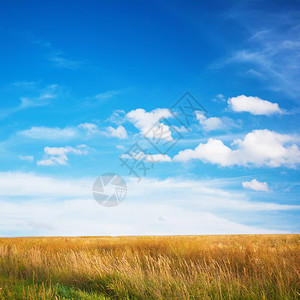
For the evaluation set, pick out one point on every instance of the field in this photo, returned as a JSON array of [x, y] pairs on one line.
[[179, 267]]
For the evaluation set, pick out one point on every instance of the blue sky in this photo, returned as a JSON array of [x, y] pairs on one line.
[[83, 82]]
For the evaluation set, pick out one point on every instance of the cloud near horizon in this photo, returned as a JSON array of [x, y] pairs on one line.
[[65, 207]]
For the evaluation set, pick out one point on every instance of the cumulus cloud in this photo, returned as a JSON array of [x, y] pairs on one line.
[[256, 185], [119, 132], [254, 105], [58, 155], [259, 148], [145, 121], [215, 123], [209, 124]]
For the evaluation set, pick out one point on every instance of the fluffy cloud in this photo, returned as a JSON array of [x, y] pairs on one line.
[[253, 105], [259, 148], [256, 185], [214, 123], [58, 155], [209, 124], [144, 121], [119, 132]]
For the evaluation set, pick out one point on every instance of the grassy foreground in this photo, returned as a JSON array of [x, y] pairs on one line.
[[180, 267]]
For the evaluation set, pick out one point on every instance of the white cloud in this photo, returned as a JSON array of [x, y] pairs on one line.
[[48, 133], [26, 157], [90, 127], [153, 158], [32, 185], [121, 147], [256, 185], [214, 151], [259, 148], [107, 95], [119, 132], [157, 158], [60, 60], [50, 92], [253, 105], [209, 124], [219, 98], [180, 129], [117, 117], [58, 155], [144, 121], [59, 206], [215, 123]]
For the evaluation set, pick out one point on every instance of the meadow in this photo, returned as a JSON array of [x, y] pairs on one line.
[[152, 267]]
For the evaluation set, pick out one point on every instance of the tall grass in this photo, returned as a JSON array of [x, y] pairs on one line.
[[179, 267]]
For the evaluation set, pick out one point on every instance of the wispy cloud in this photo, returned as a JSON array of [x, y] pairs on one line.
[[271, 52], [56, 56], [68, 209], [60, 60], [47, 133], [107, 95], [43, 97], [26, 157]]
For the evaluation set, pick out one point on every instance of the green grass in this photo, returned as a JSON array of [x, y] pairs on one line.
[[17, 289]]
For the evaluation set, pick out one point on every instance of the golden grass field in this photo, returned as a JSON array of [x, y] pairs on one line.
[[171, 267]]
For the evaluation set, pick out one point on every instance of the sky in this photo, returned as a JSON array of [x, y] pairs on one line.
[[195, 104]]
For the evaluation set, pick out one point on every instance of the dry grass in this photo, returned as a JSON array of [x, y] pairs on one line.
[[180, 267]]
